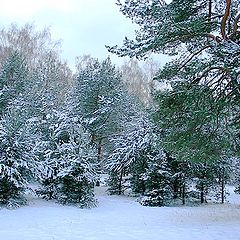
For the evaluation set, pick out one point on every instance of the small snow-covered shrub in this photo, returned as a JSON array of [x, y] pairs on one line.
[[76, 188], [237, 190], [114, 182], [153, 198], [11, 195], [48, 189]]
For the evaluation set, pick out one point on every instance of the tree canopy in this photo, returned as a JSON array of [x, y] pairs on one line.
[[203, 35], [203, 39]]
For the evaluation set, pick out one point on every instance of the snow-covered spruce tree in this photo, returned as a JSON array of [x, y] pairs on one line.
[[49, 83], [69, 160], [17, 165], [32, 94], [137, 154], [43, 128], [17, 161], [127, 147], [157, 180], [78, 174]]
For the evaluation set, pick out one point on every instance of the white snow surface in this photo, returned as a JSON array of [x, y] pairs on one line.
[[121, 218]]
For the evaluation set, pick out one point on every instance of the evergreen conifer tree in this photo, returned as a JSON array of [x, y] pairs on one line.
[[17, 165], [203, 38], [100, 99], [69, 159]]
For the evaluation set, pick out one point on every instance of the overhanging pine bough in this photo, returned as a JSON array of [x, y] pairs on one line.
[[188, 29]]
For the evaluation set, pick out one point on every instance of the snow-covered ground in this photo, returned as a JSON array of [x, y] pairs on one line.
[[121, 218]]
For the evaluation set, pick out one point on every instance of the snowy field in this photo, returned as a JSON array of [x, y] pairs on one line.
[[121, 218]]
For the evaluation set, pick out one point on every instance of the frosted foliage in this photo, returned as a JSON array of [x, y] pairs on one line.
[[17, 164], [69, 162], [97, 94], [71, 146], [130, 146], [15, 152]]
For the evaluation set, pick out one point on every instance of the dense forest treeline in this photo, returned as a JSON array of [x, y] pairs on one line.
[[60, 131]]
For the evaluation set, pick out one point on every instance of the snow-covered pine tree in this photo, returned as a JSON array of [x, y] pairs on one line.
[[69, 159], [17, 165], [127, 149], [138, 154], [78, 171], [98, 93], [195, 132], [43, 127], [17, 161], [33, 87], [203, 35], [157, 180]]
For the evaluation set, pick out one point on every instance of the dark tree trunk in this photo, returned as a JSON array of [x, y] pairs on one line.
[[99, 151], [222, 190], [99, 157], [183, 189], [183, 194], [120, 183], [175, 189], [143, 187], [202, 192]]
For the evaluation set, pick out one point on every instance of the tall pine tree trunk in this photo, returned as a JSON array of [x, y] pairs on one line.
[[183, 190], [222, 188], [184, 194], [99, 157], [202, 192], [120, 183], [175, 189]]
